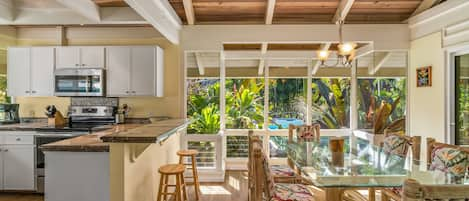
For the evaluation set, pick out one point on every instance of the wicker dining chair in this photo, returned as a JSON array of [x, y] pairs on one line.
[[414, 191]]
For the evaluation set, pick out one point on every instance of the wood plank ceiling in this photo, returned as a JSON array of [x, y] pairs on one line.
[[296, 11]]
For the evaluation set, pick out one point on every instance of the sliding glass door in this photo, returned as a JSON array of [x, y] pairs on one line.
[[461, 99]]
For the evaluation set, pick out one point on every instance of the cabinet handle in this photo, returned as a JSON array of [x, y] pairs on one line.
[[26, 92], [76, 64], [127, 92], [33, 92], [6, 150], [133, 92], [18, 139], [82, 64]]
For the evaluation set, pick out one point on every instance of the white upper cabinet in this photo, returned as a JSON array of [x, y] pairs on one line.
[[134, 71], [143, 71], [42, 71], [92, 57], [80, 57], [118, 70], [30, 71], [18, 73]]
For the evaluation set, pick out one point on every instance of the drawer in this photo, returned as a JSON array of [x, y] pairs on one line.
[[19, 139]]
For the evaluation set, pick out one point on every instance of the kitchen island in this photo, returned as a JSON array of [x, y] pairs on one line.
[[116, 164]]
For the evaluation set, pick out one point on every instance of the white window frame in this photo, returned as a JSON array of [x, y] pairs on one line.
[[220, 138]]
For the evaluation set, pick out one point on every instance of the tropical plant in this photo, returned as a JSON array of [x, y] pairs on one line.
[[203, 106], [244, 103], [380, 102], [331, 101]]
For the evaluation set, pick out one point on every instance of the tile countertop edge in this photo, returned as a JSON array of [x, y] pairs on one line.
[[146, 139]]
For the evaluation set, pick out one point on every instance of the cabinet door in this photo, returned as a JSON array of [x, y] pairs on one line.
[[42, 71], [142, 80], [92, 57], [68, 57], [18, 167], [18, 71], [118, 71]]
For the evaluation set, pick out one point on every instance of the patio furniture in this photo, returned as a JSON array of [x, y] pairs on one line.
[[264, 186], [176, 170], [368, 167], [192, 165], [280, 173]]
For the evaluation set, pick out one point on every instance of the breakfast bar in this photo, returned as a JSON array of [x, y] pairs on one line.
[[119, 162]]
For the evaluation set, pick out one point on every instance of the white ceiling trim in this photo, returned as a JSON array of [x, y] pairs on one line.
[[200, 64], [342, 10], [160, 15], [189, 10], [86, 8], [262, 61], [269, 14], [367, 49], [111, 15], [379, 60], [7, 10]]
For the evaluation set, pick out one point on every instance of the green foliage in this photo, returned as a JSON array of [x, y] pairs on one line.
[[244, 103], [373, 91], [203, 106], [331, 102], [284, 94], [3, 89]]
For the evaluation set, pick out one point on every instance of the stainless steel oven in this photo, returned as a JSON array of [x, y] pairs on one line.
[[79, 82]]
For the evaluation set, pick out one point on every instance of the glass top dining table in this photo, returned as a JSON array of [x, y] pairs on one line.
[[362, 167]]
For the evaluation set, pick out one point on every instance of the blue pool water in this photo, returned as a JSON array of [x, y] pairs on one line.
[[283, 123]]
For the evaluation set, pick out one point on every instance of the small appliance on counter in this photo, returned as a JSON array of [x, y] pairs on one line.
[[54, 117], [9, 113]]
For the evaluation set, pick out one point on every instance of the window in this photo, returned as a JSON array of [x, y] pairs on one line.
[[287, 102], [3, 90], [331, 102], [207, 154], [244, 103], [203, 106], [387, 95], [278, 146]]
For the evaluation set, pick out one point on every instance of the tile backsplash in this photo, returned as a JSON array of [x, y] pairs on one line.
[[90, 101]]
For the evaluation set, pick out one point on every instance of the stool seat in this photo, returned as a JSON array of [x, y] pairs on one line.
[[171, 169], [187, 152]]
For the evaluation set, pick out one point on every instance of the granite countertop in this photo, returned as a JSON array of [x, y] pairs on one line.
[[149, 133], [121, 133], [23, 126], [88, 143]]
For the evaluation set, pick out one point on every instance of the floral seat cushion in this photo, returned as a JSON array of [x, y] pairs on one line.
[[291, 192], [281, 171], [449, 160], [396, 145]]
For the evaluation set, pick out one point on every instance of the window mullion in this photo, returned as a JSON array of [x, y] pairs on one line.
[[309, 94]]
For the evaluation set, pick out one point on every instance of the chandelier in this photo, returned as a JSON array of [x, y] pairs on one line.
[[345, 51]]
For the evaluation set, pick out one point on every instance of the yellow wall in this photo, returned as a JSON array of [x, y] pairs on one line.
[[169, 105], [427, 104]]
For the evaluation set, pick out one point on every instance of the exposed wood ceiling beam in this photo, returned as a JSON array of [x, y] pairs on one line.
[[379, 59], [160, 15], [200, 64], [262, 60], [86, 8], [7, 10], [189, 10], [342, 10], [256, 55], [426, 4], [324, 47], [269, 14]]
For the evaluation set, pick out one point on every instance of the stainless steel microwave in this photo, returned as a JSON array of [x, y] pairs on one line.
[[79, 82]]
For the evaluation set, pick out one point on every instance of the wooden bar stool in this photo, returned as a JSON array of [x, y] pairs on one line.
[[180, 186], [193, 164]]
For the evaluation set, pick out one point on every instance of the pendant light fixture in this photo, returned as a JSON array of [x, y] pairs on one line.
[[345, 51]]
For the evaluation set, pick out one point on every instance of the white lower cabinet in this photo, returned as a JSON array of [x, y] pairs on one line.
[[17, 161], [18, 167]]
